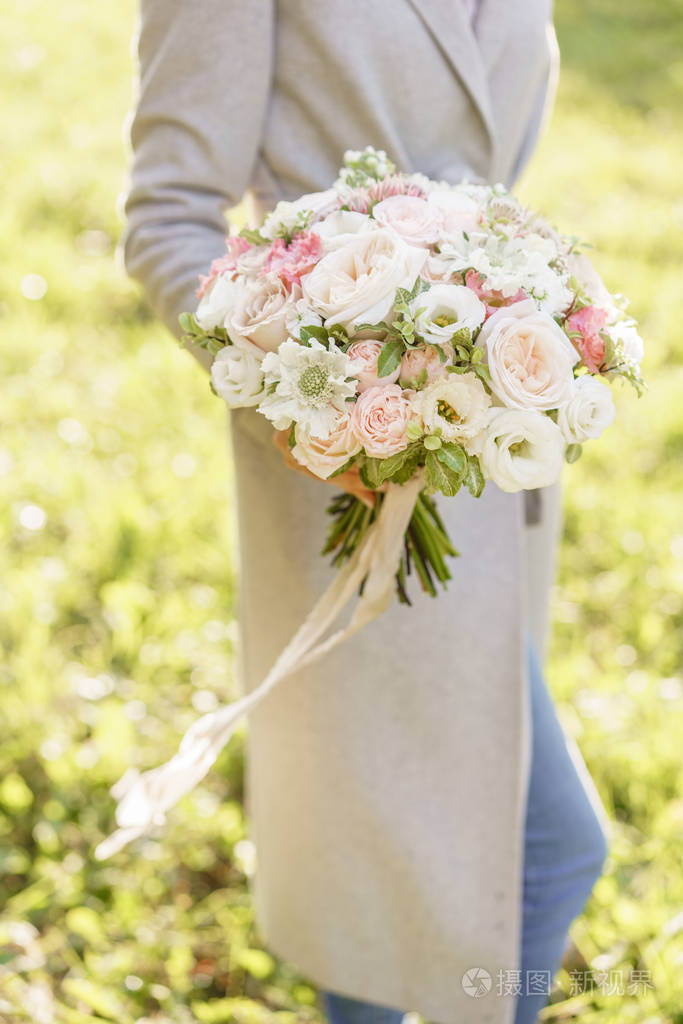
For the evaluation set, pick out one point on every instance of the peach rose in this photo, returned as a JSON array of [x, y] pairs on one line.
[[410, 217], [379, 420], [415, 360], [366, 352], [324, 456]]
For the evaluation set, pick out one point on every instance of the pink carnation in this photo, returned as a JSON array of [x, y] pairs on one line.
[[492, 299], [291, 262], [361, 200], [225, 264], [584, 327]]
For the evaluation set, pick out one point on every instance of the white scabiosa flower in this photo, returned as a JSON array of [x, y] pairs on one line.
[[521, 449], [237, 377], [445, 309], [588, 412], [307, 385], [456, 407]]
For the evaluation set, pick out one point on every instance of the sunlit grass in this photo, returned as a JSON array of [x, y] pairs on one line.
[[117, 590]]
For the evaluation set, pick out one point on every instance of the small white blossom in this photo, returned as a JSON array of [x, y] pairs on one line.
[[237, 377]]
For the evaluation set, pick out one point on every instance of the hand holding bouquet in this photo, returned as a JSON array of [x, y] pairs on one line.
[[408, 338]]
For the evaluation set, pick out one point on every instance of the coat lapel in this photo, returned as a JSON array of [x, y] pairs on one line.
[[449, 24]]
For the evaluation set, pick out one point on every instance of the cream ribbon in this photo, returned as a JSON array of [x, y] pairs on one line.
[[144, 799]]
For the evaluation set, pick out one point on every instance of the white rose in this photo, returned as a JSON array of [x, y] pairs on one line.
[[261, 312], [521, 449], [342, 226], [588, 412], [455, 406], [445, 309], [411, 217], [357, 283], [217, 303], [324, 456], [237, 377], [529, 356]]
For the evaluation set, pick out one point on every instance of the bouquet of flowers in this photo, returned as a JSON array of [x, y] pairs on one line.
[[395, 326], [416, 337]]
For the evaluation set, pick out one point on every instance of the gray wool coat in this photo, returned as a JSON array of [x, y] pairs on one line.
[[386, 785]]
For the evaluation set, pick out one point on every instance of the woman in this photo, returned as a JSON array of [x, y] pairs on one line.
[[420, 822]]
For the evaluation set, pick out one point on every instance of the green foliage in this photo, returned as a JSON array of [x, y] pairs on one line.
[[117, 587]]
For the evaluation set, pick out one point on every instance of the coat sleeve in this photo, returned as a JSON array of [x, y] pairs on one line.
[[203, 86]]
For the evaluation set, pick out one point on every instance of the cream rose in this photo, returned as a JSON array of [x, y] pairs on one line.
[[237, 377], [411, 217], [415, 360], [521, 449], [457, 212], [588, 412], [357, 283], [217, 302], [249, 263], [455, 407], [529, 356], [324, 456], [261, 312], [366, 353], [445, 309], [379, 420], [343, 226]]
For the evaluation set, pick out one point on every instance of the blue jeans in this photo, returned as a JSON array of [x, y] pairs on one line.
[[564, 851]]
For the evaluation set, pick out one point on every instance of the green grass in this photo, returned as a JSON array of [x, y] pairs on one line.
[[117, 589]]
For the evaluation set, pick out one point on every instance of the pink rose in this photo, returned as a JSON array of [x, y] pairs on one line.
[[379, 420], [416, 360], [492, 299], [291, 262], [366, 352], [585, 326], [410, 217]]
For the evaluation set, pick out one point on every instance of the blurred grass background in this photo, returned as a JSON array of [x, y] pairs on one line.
[[116, 585]]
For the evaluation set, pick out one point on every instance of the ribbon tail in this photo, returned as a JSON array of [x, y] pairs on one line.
[[145, 798]]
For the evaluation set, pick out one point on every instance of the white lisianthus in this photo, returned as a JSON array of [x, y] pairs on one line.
[[445, 309], [237, 377], [529, 356], [261, 312], [342, 226], [521, 449], [218, 302], [511, 264], [324, 456], [588, 412], [455, 406], [310, 386], [357, 283]]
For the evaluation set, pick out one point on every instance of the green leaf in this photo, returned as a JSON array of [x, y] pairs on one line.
[[291, 439], [413, 431], [573, 452], [463, 336], [432, 442], [453, 456], [474, 478], [313, 331], [389, 357], [368, 470], [407, 470], [440, 477], [254, 236]]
